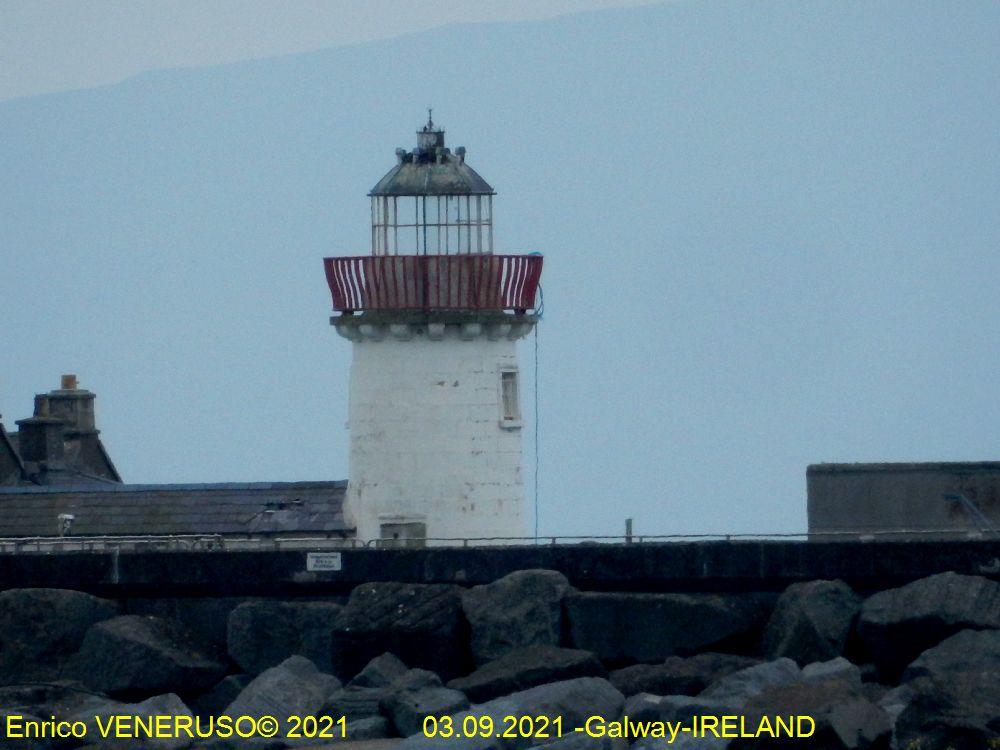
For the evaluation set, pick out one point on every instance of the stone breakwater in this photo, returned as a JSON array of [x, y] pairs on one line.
[[910, 668]]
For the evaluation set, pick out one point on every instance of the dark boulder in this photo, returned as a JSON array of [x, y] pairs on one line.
[[132, 656], [293, 688], [838, 668], [951, 695], [14, 722], [417, 695], [104, 710], [59, 698], [369, 728], [684, 742], [656, 679], [677, 710], [41, 628], [960, 711], [739, 687], [646, 707], [895, 700], [355, 702], [897, 625], [623, 628], [966, 651], [678, 675], [381, 671], [214, 702], [837, 717], [582, 741], [573, 700], [869, 672], [520, 609], [874, 691], [422, 624], [811, 621], [263, 633], [368, 693], [415, 679], [205, 616], [527, 667]]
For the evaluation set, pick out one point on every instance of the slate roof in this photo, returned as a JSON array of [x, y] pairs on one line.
[[417, 176], [87, 463], [260, 508]]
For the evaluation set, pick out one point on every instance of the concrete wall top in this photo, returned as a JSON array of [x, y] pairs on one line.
[[683, 566]]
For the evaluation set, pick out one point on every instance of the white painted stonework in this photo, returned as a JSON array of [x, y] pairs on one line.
[[428, 440]]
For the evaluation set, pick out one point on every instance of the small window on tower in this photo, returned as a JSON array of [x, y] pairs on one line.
[[510, 401]]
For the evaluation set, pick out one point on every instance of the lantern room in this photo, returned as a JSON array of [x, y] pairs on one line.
[[432, 242], [432, 202]]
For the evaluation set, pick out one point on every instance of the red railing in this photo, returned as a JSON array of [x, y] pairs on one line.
[[433, 282]]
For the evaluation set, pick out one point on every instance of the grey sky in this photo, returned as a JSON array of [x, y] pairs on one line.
[[770, 232], [58, 45]]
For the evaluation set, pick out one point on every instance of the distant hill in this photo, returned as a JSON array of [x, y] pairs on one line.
[[771, 233]]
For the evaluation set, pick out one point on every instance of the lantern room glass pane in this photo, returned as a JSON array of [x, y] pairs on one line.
[[432, 224]]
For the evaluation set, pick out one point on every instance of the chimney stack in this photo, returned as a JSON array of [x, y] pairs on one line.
[[61, 437], [40, 440], [72, 404]]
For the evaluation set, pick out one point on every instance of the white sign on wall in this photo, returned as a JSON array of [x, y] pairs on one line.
[[324, 562]]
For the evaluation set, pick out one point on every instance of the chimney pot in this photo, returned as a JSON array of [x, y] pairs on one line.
[[68, 382]]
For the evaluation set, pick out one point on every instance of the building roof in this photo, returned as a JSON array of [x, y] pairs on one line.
[[431, 169], [59, 444], [260, 508], [955, 467], [11, 466]]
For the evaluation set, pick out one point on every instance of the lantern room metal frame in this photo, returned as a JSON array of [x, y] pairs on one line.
[[432, 241], [432, 224], [432, 202]]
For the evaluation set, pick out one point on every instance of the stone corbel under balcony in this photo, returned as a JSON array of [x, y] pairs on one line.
[[434, 326]]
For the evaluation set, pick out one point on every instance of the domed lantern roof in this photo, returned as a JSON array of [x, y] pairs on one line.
[[431, 169], [432, 202]]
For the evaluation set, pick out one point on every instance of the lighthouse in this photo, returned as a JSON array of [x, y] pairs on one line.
[[433, 315]]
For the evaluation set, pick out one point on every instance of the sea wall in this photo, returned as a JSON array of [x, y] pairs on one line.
[[716, 566], [872, 666]]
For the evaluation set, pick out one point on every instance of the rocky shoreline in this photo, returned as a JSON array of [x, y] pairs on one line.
[[911, 668]]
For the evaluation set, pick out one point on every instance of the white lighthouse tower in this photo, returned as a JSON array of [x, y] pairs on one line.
[[434, 315]]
